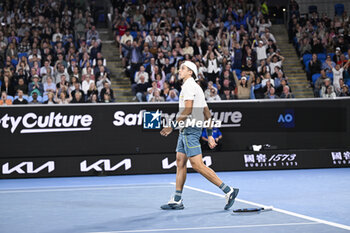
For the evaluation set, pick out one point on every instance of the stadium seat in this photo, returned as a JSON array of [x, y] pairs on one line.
[[45, 98], [9, 97], [330, 75], [306, 59], [14, 62], [295, 42], [331, 54], [20, 55], [322, 56], [348, 83], [315, 77], [238, 72], [339, 9], [101, 18], [312, 9], [306, 63]]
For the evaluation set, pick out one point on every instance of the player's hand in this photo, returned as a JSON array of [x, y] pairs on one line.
[[211, 142], [166, 131]]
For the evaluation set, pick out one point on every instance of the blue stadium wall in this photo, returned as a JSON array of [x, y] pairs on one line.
[[109, 139]]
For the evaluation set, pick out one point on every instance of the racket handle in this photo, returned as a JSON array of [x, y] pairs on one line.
[[266, 208]]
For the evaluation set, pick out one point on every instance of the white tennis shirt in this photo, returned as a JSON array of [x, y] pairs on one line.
[[192, 91]]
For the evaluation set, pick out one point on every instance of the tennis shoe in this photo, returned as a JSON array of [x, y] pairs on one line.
[[230, 197], [173, 205]]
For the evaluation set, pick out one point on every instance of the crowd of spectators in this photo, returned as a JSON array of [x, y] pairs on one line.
[[323, 45], [229, 41], [50, 53]]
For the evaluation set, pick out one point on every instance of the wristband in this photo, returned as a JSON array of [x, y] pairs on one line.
[[210, 132]]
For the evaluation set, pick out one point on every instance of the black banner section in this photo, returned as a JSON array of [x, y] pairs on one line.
[[165, 163], [117, 129]]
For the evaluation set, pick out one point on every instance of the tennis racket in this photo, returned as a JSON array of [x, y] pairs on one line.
[[249, 210]]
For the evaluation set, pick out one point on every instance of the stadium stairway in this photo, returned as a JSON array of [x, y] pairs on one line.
[[120, 83], [292, 65]]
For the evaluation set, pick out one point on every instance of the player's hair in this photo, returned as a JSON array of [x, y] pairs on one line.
[[193, 75]]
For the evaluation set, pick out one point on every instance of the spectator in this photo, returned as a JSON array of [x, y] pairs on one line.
[[4, 100], [227, 95], [93, 98], [20, 99], [92, 91], [258, 89], [107, 90], [271, 94], [275, 60], [6, 86], [339, 87], [159, 77], [213, 96], [36, 85], [35, 95], [156, 97], [319, 82], [338, 74], [62, 98], [327, 90], [49, 86], [207, 92], [151, 90], [100, 81], [243, 86], [92, 34], [260, 51], [286, 93], [328, 64], [172, 97], [22, 86], [87, 84], [217, 135], [345, 91], [212, 65], [141, 89], [316, 46], [141, 72], [50, 98], [78, 98], [315, 66]]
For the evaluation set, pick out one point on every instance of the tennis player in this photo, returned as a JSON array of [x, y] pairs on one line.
[[192, 106]]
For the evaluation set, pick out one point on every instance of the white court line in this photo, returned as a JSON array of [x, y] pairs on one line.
[[86, 186], [80, 189], [212, 228], [342, 226]]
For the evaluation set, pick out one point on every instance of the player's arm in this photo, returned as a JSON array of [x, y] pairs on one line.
[[186, 112], [182, 117], [207, 116]]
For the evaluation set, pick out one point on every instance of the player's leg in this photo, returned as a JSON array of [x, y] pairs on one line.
[[209, 174], [181, 173], [199, 166], [181, 170]]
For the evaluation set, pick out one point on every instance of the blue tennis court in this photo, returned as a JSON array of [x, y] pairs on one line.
[[304, 201]]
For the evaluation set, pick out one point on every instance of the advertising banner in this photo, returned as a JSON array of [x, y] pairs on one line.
[[120, 129], [166, 163]]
